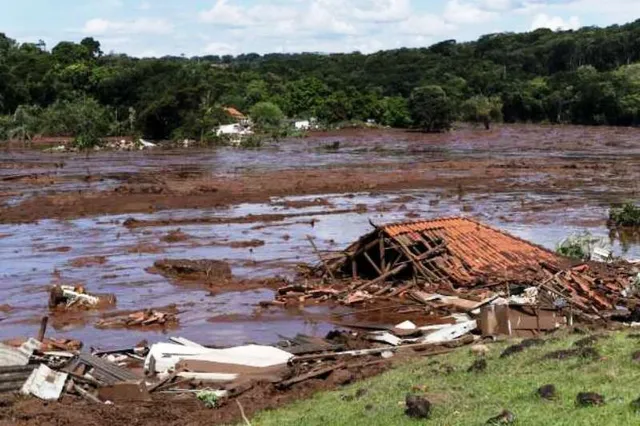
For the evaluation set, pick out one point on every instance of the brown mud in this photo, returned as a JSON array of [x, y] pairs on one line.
[[253, 209], [167, 410]]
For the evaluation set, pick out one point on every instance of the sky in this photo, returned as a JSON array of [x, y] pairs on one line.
[[220, 27]]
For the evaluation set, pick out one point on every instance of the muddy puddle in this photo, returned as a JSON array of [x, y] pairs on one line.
[[539, 183]]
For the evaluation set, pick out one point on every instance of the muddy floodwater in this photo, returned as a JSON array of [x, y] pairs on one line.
[[255, 209]]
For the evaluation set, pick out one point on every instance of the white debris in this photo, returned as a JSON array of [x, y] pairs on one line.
[[45, 383], [146, 144], [164, 356], [385, 337], [407, 325], [451, 332]]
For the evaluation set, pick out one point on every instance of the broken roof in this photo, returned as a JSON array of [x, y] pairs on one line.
[[454, 250], [234, 113], [481, 247]]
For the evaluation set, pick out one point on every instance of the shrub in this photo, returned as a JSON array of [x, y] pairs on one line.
[[626, 216]]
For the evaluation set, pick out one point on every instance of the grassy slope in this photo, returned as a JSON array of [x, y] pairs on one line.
[[462, 398]]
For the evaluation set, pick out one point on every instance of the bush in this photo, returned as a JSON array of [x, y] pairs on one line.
[[626, 216], [431, 109], [266, 116]]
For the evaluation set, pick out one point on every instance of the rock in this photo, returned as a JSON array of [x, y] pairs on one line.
[[504, 418], [417, 407], [480, 350], [547, 392], [589, 399]]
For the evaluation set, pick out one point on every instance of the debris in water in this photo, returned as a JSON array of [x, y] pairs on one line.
[[146, 318], [67, 297]]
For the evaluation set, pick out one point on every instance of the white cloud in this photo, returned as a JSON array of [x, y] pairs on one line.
[[144, 5], [427, 24], [467, 13], [99, 26], [224, 13], [320, 17], [500, 5], [218, 48], [555, 22], [382, 11]]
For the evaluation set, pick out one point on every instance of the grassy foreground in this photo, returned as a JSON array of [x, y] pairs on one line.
[[463, 398]]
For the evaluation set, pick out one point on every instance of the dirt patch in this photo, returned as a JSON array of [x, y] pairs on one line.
[[589, 399], [64, 249], [478, 366], [85, 262], [145, 248], [564, 354], [241, 244], [175, 236], [587, 341], [525, 344], [547, 392], [194, 271]]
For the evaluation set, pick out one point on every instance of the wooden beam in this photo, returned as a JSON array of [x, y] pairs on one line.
[[354, 269], [366, 255], [383, 261], [383, 277], [324, 263]]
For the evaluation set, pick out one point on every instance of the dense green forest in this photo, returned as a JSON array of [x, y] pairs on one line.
[[588, 76]]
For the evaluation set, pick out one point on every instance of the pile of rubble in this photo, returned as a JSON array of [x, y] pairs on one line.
[[145, 318], [460, 265], [182, 367]]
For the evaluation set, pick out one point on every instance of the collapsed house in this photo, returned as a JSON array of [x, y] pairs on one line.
[[451, 252], [465, 266]]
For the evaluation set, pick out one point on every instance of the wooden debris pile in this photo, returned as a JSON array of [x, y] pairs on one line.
[[146, 318]]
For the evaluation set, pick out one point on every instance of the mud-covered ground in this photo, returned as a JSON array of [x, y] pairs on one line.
[[102, 220]]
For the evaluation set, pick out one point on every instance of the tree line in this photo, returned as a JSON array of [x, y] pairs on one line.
[[589, 76]]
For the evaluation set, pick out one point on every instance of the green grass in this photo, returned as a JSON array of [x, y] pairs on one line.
[[461, 398]]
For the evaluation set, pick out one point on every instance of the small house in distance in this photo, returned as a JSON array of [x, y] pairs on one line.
[[235, 114]]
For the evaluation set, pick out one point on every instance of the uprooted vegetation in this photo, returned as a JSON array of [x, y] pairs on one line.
[[627, 216], [579, 246]]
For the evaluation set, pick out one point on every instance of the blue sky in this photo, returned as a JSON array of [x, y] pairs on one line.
[[199, 27]]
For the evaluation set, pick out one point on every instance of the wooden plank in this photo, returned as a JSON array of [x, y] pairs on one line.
[[310, 375], [324, 263], [383, 277]]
